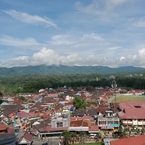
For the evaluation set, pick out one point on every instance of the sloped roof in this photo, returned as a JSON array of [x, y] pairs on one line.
[[25, 114], [80, 112], [93, 128], [52, 95], [84, 121], [28, 137], [103, 109], [92, 112], [58, 129], [132, 113], [3, 127], [8, 109], [139, 140], [76, 123], [131, 104]]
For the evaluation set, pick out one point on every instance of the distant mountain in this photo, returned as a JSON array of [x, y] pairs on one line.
[[64, 70]]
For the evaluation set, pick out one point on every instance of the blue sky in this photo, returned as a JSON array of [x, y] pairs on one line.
[[72, 32]]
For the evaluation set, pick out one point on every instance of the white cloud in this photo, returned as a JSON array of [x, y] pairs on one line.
[[92, 36], [11, 41], [102, 9], [31, 19], [88, 49], [90, 9], [44, 56], [113, 3], [114, 48], [50, 57], [82, 41], [62, 40], [65, 44], [140, 23]]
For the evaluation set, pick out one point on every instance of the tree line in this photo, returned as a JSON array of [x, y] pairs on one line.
[[32, 83]]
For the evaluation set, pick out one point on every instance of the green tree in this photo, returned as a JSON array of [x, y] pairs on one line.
[[98, 137], [1, 94], [79, 103], [125, 132], [73, 136], [66, 137], [137, 131], [82, 136], [23, 98], [143, 130]]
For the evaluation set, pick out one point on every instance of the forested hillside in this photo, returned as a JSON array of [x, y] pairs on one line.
[[65, 70], [32, 83]]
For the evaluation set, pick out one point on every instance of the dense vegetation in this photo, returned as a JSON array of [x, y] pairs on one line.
[[32, 83]]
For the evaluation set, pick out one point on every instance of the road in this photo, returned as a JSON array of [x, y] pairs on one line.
[[51, 141]]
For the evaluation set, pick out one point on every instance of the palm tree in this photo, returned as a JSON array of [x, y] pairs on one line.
[[98, 137], [123, 133], [73, 136], [66, 137], [138, 131], [143, 130], [127, 131], [133, 129], [121, 126], [82, 137]]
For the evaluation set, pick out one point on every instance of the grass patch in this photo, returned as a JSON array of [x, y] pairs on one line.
[[123, 98]]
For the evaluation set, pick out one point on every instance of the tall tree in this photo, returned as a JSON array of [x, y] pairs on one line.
[[73, 136], [98, 137], [79, 103], [66, 137], [82, 137]]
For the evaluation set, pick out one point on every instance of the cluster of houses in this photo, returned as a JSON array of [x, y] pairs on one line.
[[50, 112]]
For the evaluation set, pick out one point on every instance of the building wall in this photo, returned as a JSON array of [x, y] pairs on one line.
[[133, 122]]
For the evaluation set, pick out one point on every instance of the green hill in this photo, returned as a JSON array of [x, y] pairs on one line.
[[65, 70]]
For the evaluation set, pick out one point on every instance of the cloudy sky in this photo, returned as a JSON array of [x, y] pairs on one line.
[[72, 32]]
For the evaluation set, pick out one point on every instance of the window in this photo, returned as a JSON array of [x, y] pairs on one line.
[[137, 106], [59, 124]]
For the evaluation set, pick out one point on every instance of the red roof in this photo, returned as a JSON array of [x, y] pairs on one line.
[[25, 114], [132, 113], [81, 118], [27, 136], [93, 128], [46, 128], [139, 140], [10, 130], [35, 96], [3, 127], [131, 104], [49, 129], [45, 116], [59, 129], [51, 95], [132, 110]]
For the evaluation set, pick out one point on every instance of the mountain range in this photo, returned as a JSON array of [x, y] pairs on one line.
[[67, 70]]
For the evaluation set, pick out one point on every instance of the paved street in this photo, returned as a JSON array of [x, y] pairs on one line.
[[52, 141], [49, 143]]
